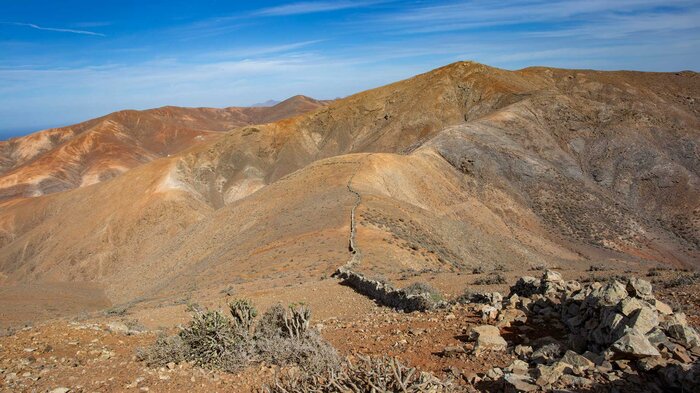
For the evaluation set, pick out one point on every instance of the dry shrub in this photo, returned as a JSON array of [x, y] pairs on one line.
[[681, 279], [209, 337], [492, 279], [212, 340], [366, 375], [419, 288], [243, 312], [165, 350]]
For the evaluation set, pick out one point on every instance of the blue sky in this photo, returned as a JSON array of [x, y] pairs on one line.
[[62, 62]]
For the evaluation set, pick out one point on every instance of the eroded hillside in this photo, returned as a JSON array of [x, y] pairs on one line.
[[60, 159], [461, 167]]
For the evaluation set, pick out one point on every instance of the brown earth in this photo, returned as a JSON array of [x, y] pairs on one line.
[[84, 355], [464, 167]]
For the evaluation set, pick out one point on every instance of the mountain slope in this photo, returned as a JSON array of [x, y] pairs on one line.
[[90, 152], [460, 167]]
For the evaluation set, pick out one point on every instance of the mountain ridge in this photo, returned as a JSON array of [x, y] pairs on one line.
[[460, 167]]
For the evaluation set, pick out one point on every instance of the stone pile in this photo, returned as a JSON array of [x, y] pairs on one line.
[[385, 293], [611, 333]]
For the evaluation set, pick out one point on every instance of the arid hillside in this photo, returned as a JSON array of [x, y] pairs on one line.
[[60, 159], [463, 167]]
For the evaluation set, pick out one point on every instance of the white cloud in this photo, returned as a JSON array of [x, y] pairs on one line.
[[33, 26], [309, 7]]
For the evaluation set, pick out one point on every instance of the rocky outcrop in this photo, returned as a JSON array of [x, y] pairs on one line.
[[612, 330]]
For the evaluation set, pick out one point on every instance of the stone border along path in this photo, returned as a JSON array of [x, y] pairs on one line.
[[383, 293], [352, 244]]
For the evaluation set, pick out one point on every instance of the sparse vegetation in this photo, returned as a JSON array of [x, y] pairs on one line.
[[165, 350], [193, 307], [501, 268], [243, 313], [365, 375], [211, 339], [228, 291], [613, 277], [598, 268], [117, 311], [492, 279], [683, 279], [419, 288]]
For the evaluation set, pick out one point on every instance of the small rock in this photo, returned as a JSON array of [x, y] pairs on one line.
[[547, 375], [453, 351], [525, 287], [517, 367], [651, 363], [640, 288], [60, 390], [577, 382], [576, 360], [551, 276], [604, 367], [489, 313], [523, 351], [644, 320], [613, 293], [494, 374], [663, 308], [415, 331], [635, 345], [681, 355], [487, 338], [685, 335], [520, 383], [118, 327]]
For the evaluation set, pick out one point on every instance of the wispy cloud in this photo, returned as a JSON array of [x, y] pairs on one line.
[[258, 51], [554, 15], [33, 26], [310, 7]]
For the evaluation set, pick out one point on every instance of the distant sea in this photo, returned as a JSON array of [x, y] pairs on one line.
[[6, 134]]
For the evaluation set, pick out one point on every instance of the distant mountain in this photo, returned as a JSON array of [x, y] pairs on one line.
[[266, 103], [59, 159]]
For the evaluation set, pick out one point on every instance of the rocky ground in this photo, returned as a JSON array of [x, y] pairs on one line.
[[548, 334]]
